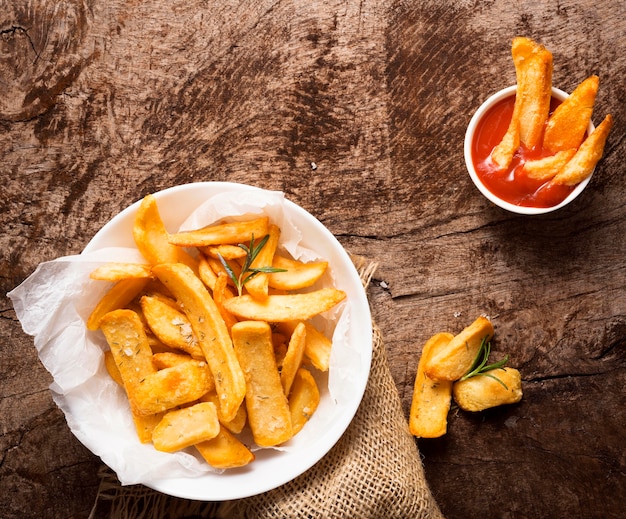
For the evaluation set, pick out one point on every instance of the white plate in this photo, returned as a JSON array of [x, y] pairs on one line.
[[271, 468]]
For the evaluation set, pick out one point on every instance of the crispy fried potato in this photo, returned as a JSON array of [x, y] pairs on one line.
[[151, 237], [226, 251], [431, 398], [303, 399], [455, 359], [171, 387], [144, 425], [170, 326], [567, 125], [206, 273], [298, 275], [120, 294], [220, 234], [167, 359], [317, 348], [211, 331], [546, 168], [258, 286], [112, 369], [117, 271], [267, 406], [293, 358], [584, 161], [225, 451], [185, 427], [221, 293], [482, 392], [235, 425], [279, 308]]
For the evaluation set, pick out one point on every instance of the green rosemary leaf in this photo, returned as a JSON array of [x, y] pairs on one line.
[[479, 366]]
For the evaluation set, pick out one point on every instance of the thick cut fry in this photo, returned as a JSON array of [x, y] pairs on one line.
[[228, 252], [279, 308], [235, 425], [317, 348], [151, 237], [170, 388], [211, 331], [431, 398], [206, 273], [129, 346], [225, 451], [546, 168], [293, 357], [298, 275], [484, 391], [567, 125], [185, 427], [144, 425], [258, 286], [118, 271], [221, 293], [167, 359], [170, 326], [303, 399], [533, 65], [455, 359], [112, 369], [267, 406], [120, 294], [226, 233], [584, 161]]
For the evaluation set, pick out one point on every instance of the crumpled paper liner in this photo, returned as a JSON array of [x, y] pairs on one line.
[[373, 471]]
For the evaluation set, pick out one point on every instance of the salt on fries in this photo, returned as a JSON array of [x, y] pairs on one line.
[[213, 334], [562, 133]]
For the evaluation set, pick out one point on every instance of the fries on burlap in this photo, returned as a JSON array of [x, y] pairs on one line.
[[373, 471]]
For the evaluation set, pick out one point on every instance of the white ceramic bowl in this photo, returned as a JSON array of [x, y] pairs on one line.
[[469, 137], [272, 468]]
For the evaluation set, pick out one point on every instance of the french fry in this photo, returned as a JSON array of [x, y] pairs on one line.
[[151, 237], [167, 359], [431, 398], [293, 357], [117, 271], [303, 399], [257, 287], [185, 427], [171, 387], [546, 168], [225, 451], [170, 326], [317, 348], [221, 293], [226, 251], [144, 425], [211, 331], [266, 404], [235, 425], [206, 273], [279, 308], [455, 359], [567, 125], [584, 161], [112, 369], [298, 275], [492, 388], [118, 296], [220, 234]]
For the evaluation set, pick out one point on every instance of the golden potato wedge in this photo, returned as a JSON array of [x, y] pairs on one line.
[[278, 308], [118, 296], [117, 271], [258, 286], [211, 331], [170, 326], [317, 346], [304, 399], [431, 399], [144, 425], [112, 369], [453, 360], [226, 251], [225, 451], [221, 293], [267, 406], [293, 358], [185, 427], [297, 275], [167, 359], [171, 387], [220, 234], [151, 237], [490, 389], [568, 123], [235, 425], [581, 165], [546, 168]]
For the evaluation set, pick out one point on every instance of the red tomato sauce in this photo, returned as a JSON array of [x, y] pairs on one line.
[[511, 185]]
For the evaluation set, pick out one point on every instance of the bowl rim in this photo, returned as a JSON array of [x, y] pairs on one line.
[[498, 96]]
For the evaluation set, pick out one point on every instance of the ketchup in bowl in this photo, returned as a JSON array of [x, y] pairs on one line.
[[511, 185]]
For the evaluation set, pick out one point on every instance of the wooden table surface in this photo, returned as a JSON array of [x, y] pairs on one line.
[[357, 111]]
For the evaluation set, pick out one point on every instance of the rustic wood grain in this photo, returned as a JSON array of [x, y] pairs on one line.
[[357, 111]]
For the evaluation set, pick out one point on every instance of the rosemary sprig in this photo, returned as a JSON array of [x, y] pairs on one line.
[[248, 272], [479, 366]]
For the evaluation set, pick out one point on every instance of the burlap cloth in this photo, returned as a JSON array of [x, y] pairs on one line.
[[374, 471]]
